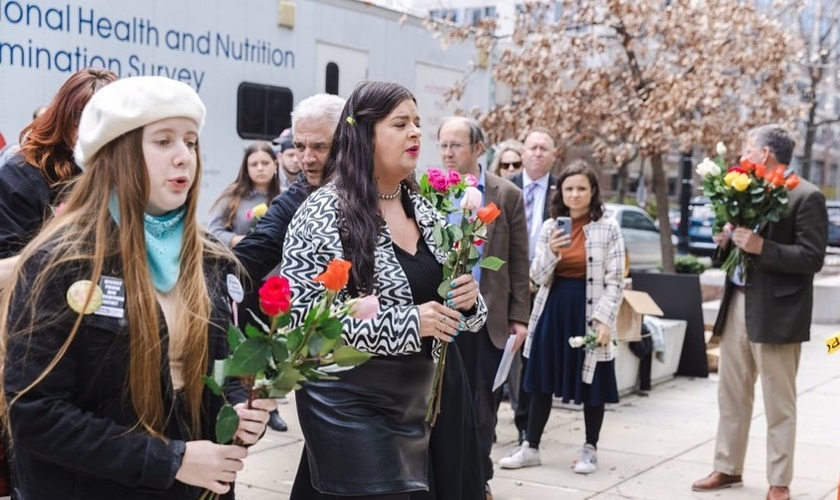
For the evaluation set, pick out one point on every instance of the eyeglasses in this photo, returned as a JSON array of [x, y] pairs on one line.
[[454, 146], [509, 165]]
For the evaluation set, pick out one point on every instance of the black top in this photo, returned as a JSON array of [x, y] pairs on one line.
[[26, 201], [423, 271]]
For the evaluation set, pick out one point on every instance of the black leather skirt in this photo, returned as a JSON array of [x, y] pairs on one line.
[[365, 433]]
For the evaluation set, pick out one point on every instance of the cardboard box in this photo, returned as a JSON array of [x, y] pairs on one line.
[[629, 319]]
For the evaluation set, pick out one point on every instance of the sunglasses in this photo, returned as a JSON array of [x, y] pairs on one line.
[[513, 164]]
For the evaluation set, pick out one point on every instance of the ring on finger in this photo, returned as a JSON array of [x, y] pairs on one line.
[[443, 319]]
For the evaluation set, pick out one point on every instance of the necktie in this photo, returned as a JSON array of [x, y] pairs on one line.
[[529, 201]]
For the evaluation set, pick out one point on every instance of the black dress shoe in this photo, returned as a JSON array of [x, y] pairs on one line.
[[275, 421]]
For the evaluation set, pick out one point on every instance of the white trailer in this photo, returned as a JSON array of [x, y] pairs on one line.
[[249, 60]]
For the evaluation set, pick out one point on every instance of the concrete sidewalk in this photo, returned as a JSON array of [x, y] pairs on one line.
[[651, 448]]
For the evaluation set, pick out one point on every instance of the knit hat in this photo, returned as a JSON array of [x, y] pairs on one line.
[[131, 103]]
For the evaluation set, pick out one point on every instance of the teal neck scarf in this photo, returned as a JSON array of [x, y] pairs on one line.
[[164, 238]]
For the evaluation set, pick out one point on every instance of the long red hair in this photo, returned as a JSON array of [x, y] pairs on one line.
[[47, 142]]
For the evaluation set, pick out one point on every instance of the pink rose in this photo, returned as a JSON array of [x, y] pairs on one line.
[[439, 183], [366, 307], [471, 180], [454, 177], [471, 200]]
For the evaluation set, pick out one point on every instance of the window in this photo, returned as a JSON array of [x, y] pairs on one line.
[[262, 111], [635, 220], [331, 85], [450, 15], [476, 15]]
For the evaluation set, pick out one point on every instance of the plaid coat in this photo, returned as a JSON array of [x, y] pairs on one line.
[[604, 272]]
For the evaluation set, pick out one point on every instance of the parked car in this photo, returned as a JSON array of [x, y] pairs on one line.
[[833, 207], [700, 223], [641, 237]]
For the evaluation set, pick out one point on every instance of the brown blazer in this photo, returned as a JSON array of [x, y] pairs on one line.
[[506, 291], [780, 281]]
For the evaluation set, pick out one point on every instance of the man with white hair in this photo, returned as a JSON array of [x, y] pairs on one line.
[[313, 124]]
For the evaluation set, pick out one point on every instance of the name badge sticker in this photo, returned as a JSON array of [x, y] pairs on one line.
[[113, 297]]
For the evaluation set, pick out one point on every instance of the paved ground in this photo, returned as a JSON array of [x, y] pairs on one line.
[[652, 448]]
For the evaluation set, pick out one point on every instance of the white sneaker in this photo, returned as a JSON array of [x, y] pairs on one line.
[[587, 461], [524, 456]]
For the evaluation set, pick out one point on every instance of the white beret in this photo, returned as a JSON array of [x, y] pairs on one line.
[[131, 103]]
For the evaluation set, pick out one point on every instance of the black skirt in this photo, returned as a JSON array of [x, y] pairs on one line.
[[365, 433], [554, 367]]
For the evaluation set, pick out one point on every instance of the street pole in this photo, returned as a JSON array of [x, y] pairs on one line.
[[685, 198]]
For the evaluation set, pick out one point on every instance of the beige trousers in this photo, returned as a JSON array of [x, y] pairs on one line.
[[740, 362]]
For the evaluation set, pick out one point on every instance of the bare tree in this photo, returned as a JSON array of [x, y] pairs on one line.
[[818, 24], [647, 76]]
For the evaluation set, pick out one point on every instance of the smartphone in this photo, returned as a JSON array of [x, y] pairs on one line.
[[565, 224]]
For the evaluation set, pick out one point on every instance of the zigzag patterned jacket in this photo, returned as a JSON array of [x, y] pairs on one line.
[[313, 241]]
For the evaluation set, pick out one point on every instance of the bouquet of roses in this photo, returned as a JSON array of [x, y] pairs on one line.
[[255, 214], [275, 359], [462, 239], [746, 195]]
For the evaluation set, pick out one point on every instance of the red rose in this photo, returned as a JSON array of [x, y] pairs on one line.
[[275, 296]]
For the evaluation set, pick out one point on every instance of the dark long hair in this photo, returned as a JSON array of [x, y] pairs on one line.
[[578, 167], [47, 142], [243, 185], [351, 158]]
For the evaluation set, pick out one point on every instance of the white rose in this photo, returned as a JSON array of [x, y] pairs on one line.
[[707, 167], [720, 149], [576, 342]]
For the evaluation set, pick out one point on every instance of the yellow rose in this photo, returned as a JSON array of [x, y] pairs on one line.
[[729, 177], [259, 210], [741, 182]]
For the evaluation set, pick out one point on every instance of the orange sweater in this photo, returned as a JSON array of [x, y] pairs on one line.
[[573, 258]]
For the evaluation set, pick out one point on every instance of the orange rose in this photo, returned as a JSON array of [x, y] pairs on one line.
[[792, 181], [488, 213], [747, 166], [336, 276], [760, 170]]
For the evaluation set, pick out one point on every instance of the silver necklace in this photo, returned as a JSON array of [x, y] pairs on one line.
[[390, 196]]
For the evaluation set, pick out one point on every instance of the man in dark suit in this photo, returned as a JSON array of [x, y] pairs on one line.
[[461, 144], [538, 155], [764, 317]]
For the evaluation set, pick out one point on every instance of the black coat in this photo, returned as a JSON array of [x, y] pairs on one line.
[[26, 201], [261, 250], [73, 431]]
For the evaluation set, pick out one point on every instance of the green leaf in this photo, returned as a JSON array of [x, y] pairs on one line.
[[284, 321], [328, 345], [315, 343], [234, 336], [456, 233], [227, 422], [294, 339], [250, 357], [437, 235], [444, 288], [286, 382], [491, 262], [212, 385], [349, 356], [331, 328], [252, 332], [279, 350]]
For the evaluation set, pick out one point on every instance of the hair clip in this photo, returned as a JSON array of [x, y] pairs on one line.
[[350, 120]]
